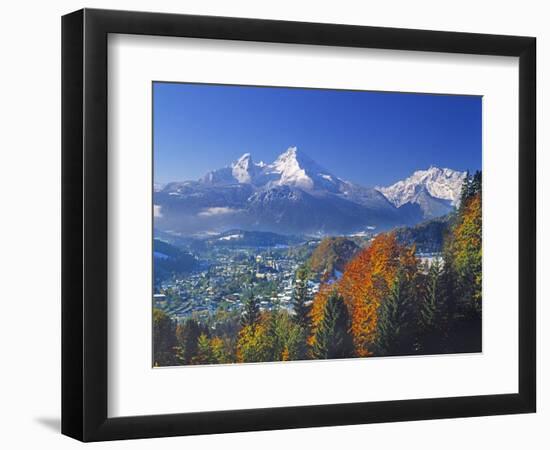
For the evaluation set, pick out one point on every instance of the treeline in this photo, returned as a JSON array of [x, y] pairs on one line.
[[387, 302]]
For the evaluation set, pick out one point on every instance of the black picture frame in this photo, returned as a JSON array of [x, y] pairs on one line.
[[84, 224]]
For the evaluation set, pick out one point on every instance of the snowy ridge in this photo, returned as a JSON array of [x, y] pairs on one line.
[[295, 195], [442, 184], [244, 169], [290, 170]]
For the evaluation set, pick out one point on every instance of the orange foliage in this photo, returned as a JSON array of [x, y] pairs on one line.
[[285, 356], [366, 281], [318, 308]]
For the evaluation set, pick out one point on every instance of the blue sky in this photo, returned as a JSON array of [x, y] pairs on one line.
[[371, 138]]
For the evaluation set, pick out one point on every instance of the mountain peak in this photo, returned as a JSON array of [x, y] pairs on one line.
[[440, 183], [244, 169], [243, 158], [293, 154], [295, 168]]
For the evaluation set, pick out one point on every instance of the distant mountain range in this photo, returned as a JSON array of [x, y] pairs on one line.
[[436, 191], [295, 195]]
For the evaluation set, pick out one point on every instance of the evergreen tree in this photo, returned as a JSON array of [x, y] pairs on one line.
[[395, 319], [188, 336], [476, 183], [301, 299], [251, 313], [466, 189], [205, 355], [432, 312], [287, 339], [164, 339], [332, 337]]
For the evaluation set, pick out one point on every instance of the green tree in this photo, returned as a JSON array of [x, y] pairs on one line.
[[287, 340], [251, 313], [188, 335], [466, 189], [476, 183], [395, 319], [433, 313], [332, 336], [300, 301], [164, 339], [205, 354]]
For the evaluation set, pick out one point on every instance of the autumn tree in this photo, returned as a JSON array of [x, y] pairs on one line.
[[331, 256], [253, 343], [332, 337], [221, 350], [367, 280], [465, 248], [463, 271], [317, 310], [164, 339]]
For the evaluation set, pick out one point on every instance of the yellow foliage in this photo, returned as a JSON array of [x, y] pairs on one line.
[[364, 284]]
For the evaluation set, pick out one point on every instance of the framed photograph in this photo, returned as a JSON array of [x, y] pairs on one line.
[[273, 224]]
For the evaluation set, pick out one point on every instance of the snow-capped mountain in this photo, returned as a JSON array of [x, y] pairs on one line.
[[296, 169], [291, 168], [294, 195], [436, 191], [244, 170]]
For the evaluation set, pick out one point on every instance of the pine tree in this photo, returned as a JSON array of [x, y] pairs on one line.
[[332, 337], [205, 355], [287, 339], [466, 189], [301, 299], [251, 313], [432, 312], [188, 336], [394, 319], [430, 306], [164, 339], [476, 183]]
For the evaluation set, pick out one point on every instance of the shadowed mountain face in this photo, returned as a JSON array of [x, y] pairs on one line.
[[292, 195]]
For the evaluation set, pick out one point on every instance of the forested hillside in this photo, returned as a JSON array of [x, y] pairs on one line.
[[386, 302], [427, 236]]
